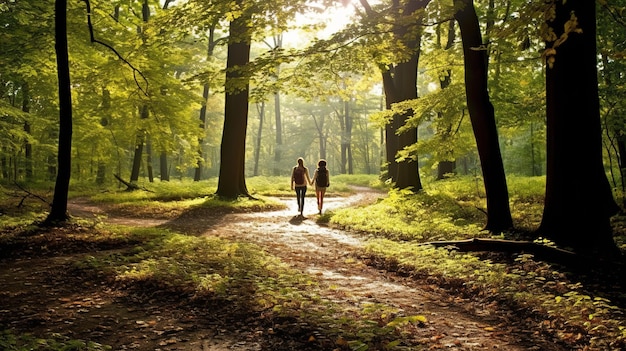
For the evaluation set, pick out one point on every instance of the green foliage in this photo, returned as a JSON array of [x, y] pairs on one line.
[[26, 342], [428, 215], [530, 287], [445, 210]]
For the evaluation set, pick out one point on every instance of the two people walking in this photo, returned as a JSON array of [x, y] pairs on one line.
[[300, 179]]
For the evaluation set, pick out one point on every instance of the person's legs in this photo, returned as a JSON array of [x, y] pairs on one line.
[[318, 194], [302, 199], [320, 199], [300, 192]]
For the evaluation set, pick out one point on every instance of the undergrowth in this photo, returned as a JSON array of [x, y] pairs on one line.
[[454, 209], [541, 294], [208, 269], [211, 269]]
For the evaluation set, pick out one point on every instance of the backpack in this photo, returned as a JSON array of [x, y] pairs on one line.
[[298, 175], [322, 178]]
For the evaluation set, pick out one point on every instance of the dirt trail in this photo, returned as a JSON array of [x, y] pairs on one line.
[[328, 255], [98, 313]]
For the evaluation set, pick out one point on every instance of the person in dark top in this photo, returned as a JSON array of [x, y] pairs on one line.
[[321, 178]]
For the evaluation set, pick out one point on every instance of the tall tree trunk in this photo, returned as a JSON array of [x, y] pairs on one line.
[[205, 97], [257, 148], [447, 165], [136, 167], [400, 84], [28, 147], [232, 182], [143, 114], [104, 121], [139, 144], [149, 160], [278, 150], [58, 210], [319, 127], [578, 205], [163, 170], [198, 171], [483, 120], [348, 140]]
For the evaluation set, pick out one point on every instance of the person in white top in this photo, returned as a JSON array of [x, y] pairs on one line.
[[299, 179]]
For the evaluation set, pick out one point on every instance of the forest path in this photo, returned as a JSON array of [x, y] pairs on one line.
[[40, 295]]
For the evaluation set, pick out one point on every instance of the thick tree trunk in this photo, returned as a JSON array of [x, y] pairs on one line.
[[400, 84], [58, 210], [232, 183], [482, 116], [578, 204]]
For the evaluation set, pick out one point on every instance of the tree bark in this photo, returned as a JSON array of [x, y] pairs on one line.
[[278, 150], [58, 211], [257, 146], [205, 97], [143, 114], [163, 169], [400, 84], [232, 183], [447, 166], [578, 205], [482, 116], [28, 147]]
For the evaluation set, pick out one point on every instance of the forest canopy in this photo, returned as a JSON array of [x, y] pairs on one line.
[[410, 89]]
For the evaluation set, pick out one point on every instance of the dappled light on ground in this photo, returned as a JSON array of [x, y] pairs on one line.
[[329, 256]]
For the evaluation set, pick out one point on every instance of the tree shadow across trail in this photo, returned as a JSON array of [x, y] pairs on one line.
[[331, 257], [57, 298]]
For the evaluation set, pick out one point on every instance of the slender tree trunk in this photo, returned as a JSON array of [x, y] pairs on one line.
[[149, 160], [319, 126], [578, 205], [348, 142], [279, 135], [448, 165], [58, 210], [163, 169], [143, 114], [483, 120], [134, 172], [28, 147], [232, 182], [198, 171], [257, 149], [139, 144], [205, 97], [278, 150]]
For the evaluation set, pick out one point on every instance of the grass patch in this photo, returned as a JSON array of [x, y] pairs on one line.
[[449, 209]]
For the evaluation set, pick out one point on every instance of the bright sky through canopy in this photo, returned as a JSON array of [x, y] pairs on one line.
[[332, 20]]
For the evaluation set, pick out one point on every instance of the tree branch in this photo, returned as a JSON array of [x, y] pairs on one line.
[[94, 40]]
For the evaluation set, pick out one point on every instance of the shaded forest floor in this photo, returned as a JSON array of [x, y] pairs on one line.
[[41, 294]]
